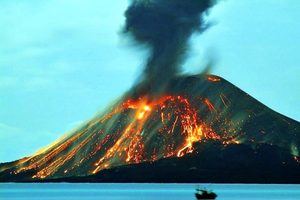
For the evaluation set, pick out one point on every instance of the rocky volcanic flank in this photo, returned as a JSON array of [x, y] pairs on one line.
[[202, 123]]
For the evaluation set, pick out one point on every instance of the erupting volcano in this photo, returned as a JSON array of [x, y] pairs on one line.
[[182, 128], [135, 131], [141, 129]]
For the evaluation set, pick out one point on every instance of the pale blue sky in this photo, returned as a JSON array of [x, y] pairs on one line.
[[61, 61]]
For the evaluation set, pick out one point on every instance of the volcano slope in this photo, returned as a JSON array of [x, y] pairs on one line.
[[201, 129]]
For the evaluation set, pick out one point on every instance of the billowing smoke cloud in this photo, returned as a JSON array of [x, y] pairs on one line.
[[165, 26]]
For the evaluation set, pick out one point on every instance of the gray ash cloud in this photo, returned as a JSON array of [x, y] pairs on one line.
[[165, 26]]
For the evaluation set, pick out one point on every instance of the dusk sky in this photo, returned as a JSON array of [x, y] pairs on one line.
[[62, 61]]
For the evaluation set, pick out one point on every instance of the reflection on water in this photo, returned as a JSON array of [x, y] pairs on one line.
[[12, 191]]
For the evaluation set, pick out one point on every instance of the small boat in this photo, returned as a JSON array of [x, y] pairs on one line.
[[205, 194]]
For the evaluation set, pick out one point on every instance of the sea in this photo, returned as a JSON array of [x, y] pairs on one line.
[[103, 191]]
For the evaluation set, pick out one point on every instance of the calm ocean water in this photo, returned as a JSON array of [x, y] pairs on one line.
[[12, 191]]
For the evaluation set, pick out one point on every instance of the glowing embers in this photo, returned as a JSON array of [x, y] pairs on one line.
[[163, 127], [39, 160], [55, 165], [143, 111], [212, 78], [210, 106], [134, 131]]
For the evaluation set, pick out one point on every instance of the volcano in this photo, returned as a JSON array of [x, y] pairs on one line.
[[171, 127], [202, 128]]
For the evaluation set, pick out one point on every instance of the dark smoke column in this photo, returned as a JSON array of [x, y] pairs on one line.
[[165, 26]]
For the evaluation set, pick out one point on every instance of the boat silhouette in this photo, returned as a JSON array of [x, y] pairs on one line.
[[205, 194]]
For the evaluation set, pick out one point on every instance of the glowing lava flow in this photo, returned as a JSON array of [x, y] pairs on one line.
[[175, 111], [135, 131]]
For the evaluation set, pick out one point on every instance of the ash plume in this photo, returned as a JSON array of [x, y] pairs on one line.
[[165, 27]]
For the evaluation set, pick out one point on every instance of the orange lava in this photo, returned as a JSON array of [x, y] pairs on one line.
[[213, 78], [210, 106], [175, 111], [135, 131]]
